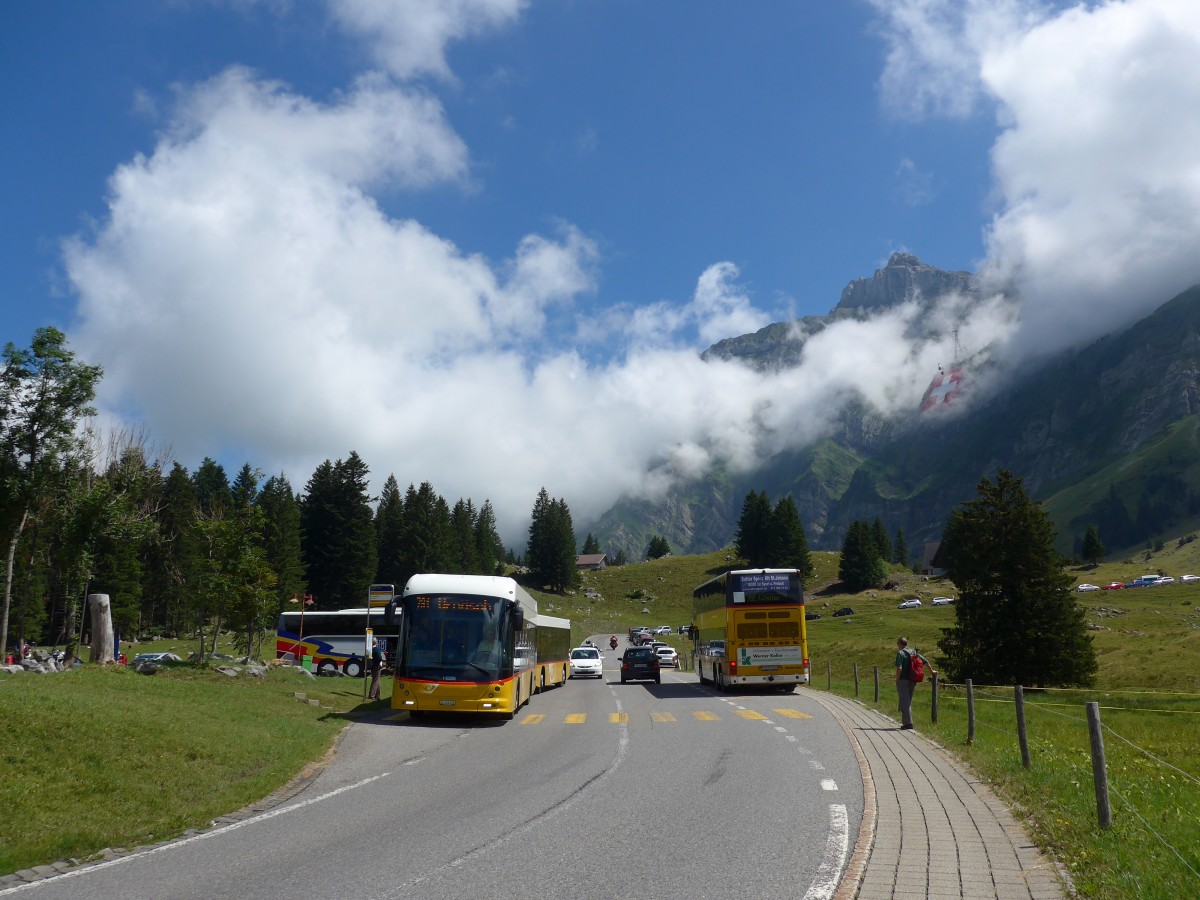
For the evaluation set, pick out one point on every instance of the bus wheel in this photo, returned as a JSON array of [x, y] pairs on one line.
[[718, 678], [327, 667], [700, 674], [353, 668]]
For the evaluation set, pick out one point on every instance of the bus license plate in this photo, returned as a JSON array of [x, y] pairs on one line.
[[445, 702], [770, 668]]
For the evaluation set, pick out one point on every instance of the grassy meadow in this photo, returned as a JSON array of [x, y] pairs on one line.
[[105, 758]]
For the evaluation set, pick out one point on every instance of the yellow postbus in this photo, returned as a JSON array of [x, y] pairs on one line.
[[749, 629], [474, 643]]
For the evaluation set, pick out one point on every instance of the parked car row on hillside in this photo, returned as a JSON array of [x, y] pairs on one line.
[[1140, 581]]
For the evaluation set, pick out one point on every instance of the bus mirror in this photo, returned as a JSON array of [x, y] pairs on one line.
[[518, 617], [389, 614]]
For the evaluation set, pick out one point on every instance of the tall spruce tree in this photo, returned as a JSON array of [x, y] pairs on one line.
[[860, 566], [658, 547], [900, 548], [213, 495], [279, 509], [753, 539], [1093, 547], [462, 530], [339, 533], [389, 534], [1016, 619], [590, 545], [489, 549], [882, 542], [788, 546]]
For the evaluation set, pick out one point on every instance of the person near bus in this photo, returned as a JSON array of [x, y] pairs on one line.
[[904, 683], [376, 668]]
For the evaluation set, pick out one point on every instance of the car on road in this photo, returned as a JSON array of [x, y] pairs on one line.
[[942, 601], [667, 656], [1085, 587], [910, 603], [640, 664], [586, 661], [1113, 586]]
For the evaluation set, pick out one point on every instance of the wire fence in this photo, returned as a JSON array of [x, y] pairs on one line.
[[1153, 768]]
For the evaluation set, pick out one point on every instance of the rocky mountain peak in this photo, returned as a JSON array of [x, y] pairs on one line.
[[903, 278]]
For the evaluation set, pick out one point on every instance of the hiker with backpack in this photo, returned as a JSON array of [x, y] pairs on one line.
[[910, 670]]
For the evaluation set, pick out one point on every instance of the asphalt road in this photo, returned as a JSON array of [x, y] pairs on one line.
[[596, 789]]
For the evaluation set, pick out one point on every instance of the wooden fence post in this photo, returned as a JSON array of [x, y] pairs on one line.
[[970, 712], [1022, 738], [829, 675], [1099, 766], [856, 680], [877, 684], [934, 706]]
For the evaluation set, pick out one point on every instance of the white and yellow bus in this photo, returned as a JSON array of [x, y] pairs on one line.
[[474, 643], [749, 629]]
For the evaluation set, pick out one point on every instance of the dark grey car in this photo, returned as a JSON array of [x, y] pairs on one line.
[[640, 664]]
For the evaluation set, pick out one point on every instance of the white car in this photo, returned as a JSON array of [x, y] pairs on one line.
[[586, 661], [662, 629], [667, 656], [1166, 579], [942, 601], [1083, 588], [1188, 579], [910, 603]]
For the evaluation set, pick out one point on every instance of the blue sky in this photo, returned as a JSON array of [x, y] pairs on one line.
[[482, 241]]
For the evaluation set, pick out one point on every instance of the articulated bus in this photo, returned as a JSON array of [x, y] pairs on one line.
[[749, 629], [474, 643]]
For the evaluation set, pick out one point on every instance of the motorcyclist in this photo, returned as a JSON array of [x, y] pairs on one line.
[[612, 642]]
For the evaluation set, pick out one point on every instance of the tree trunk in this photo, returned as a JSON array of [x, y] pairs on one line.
[[102, 629], [8, 576]]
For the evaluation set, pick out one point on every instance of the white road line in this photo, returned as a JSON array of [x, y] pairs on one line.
[[816, 765], [829, 873], [174, 845], [828, 784], [781, 729]]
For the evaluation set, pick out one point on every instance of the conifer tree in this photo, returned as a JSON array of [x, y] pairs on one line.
[[213, 495], [788, 546], [752, 542], [339, 533], [1093, 547], [860, 566], [1016, 619], [658, 547], [591, 546], [462, 530], [245, 487], [389, 534], [489, 549], [900, 548], [882, 543], [279, 510]]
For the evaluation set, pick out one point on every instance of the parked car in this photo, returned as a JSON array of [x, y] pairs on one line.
[[910, 603], [662, 629], [942, 601], [1084, 588], [156, 658], [1166, 579], [1188, 579], [586, 661], [844, 611], [640, 664], [809, 617], [667, 656], [1142, 581], [1113, 586]]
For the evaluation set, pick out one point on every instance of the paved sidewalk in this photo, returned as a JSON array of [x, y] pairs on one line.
[[958, 839]]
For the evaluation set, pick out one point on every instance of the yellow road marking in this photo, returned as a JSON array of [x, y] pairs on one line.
[[792, 713], [533, 719], [707, 716], [662, 717], [576, 718], [618, 718], [750, 714]]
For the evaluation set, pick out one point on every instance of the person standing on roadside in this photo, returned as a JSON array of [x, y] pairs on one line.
[[376, 668], [905, 682]]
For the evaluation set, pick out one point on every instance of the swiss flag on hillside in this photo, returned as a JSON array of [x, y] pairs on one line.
[[942, 390]]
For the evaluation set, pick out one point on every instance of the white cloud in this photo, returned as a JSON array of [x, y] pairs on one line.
[[409, 37]]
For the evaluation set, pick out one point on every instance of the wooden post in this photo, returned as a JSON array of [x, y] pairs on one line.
[[829, 675], [856, 679], [1099, 766], [934, 707], [970, 712], [1022, 738], [877, 684]]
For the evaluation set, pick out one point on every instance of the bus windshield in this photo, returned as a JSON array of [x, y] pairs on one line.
[[454, 637]]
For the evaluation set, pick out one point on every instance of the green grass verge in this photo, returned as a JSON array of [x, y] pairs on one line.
[[105, 757]]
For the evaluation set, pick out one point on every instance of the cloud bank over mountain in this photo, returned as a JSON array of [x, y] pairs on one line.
[[257, 292]]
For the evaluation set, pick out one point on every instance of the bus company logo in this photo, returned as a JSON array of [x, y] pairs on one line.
[[430, 688]]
